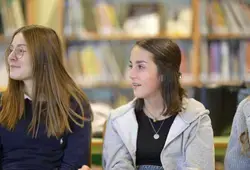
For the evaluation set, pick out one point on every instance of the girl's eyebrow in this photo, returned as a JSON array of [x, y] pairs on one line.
[[139, 62], [18, 45]]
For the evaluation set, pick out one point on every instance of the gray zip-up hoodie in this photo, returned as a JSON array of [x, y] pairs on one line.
[[189, 144]]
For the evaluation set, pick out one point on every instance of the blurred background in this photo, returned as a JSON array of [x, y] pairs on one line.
[[97, 36]]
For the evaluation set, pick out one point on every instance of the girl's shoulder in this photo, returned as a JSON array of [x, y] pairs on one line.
[[244, 107]]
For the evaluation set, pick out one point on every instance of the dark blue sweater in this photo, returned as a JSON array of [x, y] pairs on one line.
[[22, 152]]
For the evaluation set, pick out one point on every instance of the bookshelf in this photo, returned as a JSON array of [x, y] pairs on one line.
[[3, 39], [96, 37], [227, 36], [215, 41], [206, 25]]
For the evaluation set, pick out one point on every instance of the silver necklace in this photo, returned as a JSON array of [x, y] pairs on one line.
[[156, 135], [154, 118]]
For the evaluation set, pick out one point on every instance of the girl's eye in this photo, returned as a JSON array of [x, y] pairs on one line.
[[140, 67], [20, 50]]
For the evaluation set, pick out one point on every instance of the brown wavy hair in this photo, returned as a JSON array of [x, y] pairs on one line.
[[167, 57], [51, 82]]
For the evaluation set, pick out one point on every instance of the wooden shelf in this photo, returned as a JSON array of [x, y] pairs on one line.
[[4, 39], [102, 85], [225, 83], [185, 84], [226, 36], [189, 84], [220, 143], [119, 37], [96, 146], [2, 89], [127, 85]]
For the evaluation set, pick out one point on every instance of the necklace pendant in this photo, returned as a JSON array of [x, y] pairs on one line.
[[155, 120], [156, 136]]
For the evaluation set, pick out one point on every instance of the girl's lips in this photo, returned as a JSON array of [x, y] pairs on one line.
[[135, 85], [12, 66]]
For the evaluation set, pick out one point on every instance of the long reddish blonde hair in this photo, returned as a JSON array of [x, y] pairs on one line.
[[51, 81]]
